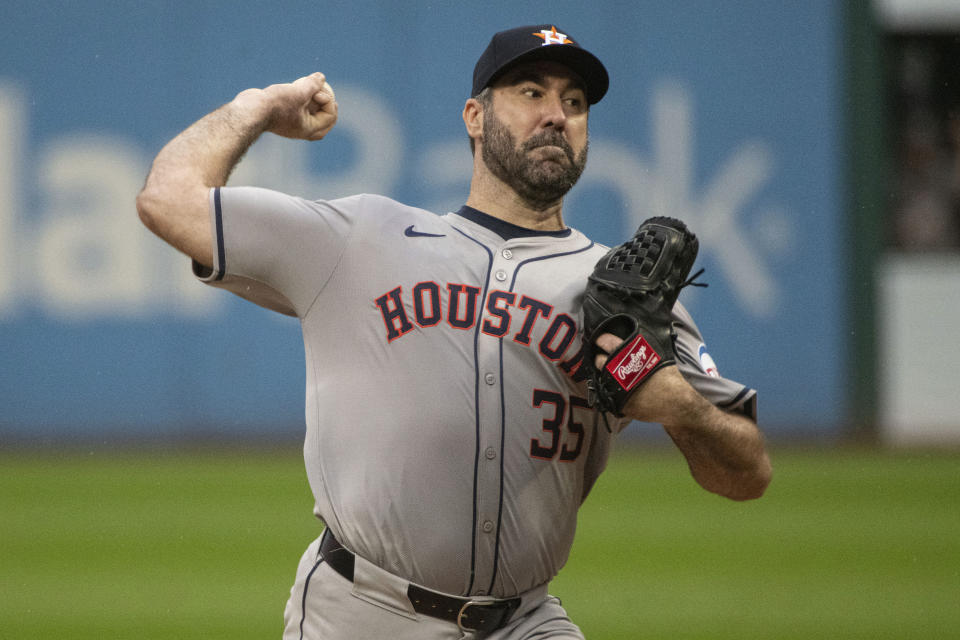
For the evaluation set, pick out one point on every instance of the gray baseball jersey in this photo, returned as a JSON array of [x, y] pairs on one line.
[[448, 439]]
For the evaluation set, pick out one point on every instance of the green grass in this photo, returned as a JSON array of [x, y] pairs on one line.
[[843, 545], [846, 544]]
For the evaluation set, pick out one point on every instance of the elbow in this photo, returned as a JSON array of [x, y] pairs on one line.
[[740, 484], [179, 217], [148, 206], [156, 206], [750, 485], [748, 491]]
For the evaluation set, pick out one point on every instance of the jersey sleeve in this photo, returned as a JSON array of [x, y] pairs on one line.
[[696, 365], [273, 249]]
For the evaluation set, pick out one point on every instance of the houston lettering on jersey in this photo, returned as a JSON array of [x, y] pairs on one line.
[[502, 314]]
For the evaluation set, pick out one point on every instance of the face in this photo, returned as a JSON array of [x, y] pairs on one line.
[[535, 132]]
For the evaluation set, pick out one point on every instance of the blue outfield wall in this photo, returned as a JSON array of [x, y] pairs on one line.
[[724, 114]]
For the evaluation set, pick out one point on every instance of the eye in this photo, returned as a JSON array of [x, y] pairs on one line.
[[575, 104], [531, 92]]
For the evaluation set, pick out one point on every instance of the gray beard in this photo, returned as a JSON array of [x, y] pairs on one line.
[[540, 185]]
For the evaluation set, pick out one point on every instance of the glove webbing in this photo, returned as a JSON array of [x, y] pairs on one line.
[[592, 396]]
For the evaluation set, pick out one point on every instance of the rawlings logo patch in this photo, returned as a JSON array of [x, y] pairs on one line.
[[633, 363]]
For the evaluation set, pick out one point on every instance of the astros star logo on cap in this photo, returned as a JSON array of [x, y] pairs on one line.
[[553, 37], [516, 46]]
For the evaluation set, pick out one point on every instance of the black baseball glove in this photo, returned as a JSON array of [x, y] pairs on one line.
[[631, 294]]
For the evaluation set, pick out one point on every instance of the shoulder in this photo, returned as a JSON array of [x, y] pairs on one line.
[[377, 203], [376, 210], [588, 253], [683, 318], [361, 204]]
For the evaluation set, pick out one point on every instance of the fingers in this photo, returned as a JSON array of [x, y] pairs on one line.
[[315, 88], [305, 108], [312, 83], [325, 95], [322, 107], [324, 102], [606, 342], [323, 112]]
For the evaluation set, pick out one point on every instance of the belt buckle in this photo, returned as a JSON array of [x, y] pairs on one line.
[[463, 611]]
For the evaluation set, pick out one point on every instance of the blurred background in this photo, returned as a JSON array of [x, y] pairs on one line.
[[814, 146]]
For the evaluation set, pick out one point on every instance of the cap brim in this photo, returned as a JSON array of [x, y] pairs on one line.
[[582, 62]]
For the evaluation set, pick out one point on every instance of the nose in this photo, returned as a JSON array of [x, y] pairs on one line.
[[553, 115]]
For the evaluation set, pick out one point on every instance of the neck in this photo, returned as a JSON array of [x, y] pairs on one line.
[[493, 197]]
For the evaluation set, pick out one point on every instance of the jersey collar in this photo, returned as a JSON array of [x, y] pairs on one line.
[[504, 229]]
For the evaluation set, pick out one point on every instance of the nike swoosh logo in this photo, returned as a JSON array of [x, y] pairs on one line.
[[411, 233]]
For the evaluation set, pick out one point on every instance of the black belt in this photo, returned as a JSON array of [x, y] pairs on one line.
[[473, 615]]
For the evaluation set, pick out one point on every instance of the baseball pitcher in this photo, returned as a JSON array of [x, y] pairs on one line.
[[466, 373]]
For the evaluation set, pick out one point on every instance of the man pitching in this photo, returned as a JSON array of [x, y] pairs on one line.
[[456, 419]]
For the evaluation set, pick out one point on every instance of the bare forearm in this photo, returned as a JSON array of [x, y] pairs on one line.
[[209, 150], [725, 451], [174, 200]]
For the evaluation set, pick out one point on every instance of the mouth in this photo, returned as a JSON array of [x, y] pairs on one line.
[[553, 147], [552, 153]]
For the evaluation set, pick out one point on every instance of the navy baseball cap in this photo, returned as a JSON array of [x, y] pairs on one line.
[[539, 42]]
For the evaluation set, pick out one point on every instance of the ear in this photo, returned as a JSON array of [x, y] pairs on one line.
[[473, 118]]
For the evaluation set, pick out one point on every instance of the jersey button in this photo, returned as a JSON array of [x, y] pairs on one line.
[[500, 275], [490, 378], [491, 453], [487, 526], [507, 254]]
